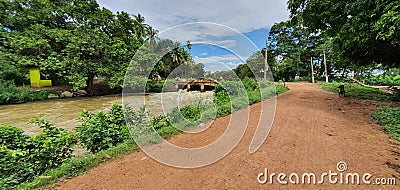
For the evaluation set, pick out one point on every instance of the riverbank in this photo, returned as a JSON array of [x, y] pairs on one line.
[[64, 112], [77, 165]]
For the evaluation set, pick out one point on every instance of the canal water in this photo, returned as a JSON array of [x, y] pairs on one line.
[[64, 112]]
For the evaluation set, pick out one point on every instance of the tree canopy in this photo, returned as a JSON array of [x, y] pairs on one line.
[[75, 41], [363, 31]]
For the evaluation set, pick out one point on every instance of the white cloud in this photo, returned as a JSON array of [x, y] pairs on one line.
[[200, 32], [242, 15], [220, 62]]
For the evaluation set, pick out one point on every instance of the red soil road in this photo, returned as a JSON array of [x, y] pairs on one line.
[[313, 130]]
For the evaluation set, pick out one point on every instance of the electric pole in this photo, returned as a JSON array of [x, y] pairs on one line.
[[326, 69], [266, 60], [312, 71]]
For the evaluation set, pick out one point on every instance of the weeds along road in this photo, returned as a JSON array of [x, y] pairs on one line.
[[313, 131]]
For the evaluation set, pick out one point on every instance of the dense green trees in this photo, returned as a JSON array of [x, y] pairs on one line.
[[292, 44], [356, 35], [74, 41], [363, 31]]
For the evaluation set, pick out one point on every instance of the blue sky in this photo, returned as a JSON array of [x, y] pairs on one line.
[[223, 33]]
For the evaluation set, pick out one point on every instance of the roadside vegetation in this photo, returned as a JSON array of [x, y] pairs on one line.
[[358, 91], [386, 116], [389, 118], [32, 162]]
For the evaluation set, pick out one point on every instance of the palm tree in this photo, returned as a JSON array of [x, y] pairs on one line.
[[140, 26], [152, 35], [189, 46], [177, 55]]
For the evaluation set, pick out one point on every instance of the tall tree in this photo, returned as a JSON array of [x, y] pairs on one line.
[[293, 44], [364, 31]]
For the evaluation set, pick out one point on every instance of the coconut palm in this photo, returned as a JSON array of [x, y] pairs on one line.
[[140, 26], [152, 35]]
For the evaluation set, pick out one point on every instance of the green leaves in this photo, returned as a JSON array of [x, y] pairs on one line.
[[23, 156], [100, 131], [363, 31], [71, 40]]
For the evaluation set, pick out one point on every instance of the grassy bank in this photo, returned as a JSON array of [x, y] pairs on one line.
[[356, 91], [388, 117], [228, 98]]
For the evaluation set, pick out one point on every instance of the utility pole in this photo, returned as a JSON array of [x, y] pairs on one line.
[[312, 71], [326, 69], [266, 60]]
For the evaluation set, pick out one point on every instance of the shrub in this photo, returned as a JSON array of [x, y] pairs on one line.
[[135, 83], [50, 148], [11, 94], [100, 131], [23, 157], [153, 86]]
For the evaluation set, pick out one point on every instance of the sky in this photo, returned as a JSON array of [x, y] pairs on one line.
[[224, 33]]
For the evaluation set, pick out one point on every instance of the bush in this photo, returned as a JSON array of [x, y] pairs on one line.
[[11, 94], [18, 76], [229, 96], [153, 86], [23, 157], [50, 148], [100, 131], [135, 84]]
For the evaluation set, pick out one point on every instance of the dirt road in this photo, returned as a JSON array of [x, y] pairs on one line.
[[313, 131]]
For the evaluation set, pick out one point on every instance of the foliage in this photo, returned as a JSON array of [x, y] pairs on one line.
[[138, 123], [389, 117], [13, 74], [23, 157], [10, 94], [363, 31], [357, 91], [78, 41], [294, 45], [231, 96], [100, 131], [153, 86], [382, 80], [52, 146], [77, 165]]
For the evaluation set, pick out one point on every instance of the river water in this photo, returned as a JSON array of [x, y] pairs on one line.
[[64, 112]]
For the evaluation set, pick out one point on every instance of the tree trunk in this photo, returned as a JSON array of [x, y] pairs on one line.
[[53, 78], [89, 83]]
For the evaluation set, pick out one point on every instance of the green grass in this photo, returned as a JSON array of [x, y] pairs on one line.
[[357, 91], [390, 119], [77, 165]]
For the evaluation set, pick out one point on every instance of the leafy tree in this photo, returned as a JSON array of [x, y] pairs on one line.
[[293, 44], [362, 30]]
